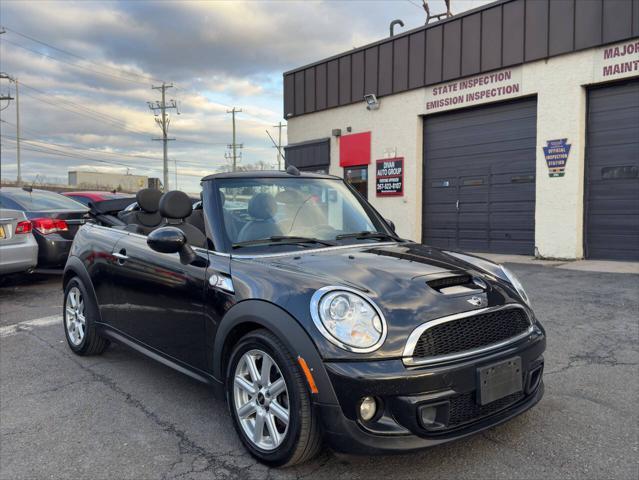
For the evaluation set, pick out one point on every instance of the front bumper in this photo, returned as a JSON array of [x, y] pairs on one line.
[[402, 392]]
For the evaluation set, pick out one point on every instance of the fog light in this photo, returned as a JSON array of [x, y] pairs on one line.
[[428, 415], [367, 408]]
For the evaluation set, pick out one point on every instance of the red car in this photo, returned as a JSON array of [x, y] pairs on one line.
[[93, 196]]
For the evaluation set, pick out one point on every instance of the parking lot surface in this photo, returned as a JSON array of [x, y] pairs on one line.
[[123, 416]]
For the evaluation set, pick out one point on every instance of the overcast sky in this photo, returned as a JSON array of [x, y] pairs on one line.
[[83, 90]]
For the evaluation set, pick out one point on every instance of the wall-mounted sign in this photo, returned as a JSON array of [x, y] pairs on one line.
[[355, 149], [474, 90], [617, 61], [389, 175], [556, 153]]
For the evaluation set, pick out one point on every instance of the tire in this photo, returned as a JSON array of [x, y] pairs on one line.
[[299, 440], [82, 337]]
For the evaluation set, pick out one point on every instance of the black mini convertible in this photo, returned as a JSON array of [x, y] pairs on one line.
[[297, 301]]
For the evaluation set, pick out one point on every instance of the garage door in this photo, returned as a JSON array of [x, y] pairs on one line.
[[479, 178], [612, 173]]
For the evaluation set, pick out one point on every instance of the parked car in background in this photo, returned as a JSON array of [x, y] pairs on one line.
[[93, 196], [55, 219], [18, 246], [301, 305]]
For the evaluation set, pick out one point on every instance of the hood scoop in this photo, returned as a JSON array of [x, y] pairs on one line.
[[456, 285]]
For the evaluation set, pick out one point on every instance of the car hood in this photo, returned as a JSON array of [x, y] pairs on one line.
[[393, 275], [375, 268]]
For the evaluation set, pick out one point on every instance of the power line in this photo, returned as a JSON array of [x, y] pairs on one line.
[[50, 151], [53, 151], [99, 116], [99, 152], [102, 152], [87, 115], [79, 57], [146, 77], [75, 65], [193, 92], [84, 108]]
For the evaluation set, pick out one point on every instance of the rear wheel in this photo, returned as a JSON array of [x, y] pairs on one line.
[[79, 315], [270, 402]]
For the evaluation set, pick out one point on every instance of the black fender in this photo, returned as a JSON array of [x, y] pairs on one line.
[[75, 268], [286, 328]]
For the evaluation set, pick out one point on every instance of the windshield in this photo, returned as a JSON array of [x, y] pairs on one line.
[[294, 211], [39, 200]]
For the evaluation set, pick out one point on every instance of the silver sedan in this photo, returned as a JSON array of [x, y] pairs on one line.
[[18, 246]]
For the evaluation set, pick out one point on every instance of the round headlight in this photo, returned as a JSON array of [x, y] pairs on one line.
[[348, 319]]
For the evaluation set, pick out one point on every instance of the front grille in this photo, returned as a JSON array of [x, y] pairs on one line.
[[470, 333], [464, 409]]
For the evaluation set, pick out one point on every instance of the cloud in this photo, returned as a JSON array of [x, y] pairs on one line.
[[218, 54]]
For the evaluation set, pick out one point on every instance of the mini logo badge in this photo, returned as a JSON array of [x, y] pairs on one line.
[[477, 301]]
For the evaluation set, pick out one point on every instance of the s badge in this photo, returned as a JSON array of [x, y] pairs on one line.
[[476, 301]]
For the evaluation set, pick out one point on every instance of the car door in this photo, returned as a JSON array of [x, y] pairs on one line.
[[160, 300]]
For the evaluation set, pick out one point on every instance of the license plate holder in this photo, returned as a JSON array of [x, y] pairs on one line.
[[499, 380]]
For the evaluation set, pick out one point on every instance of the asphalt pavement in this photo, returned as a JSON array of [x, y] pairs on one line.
[[123, 416]]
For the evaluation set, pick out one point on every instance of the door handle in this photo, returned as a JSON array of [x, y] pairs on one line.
[[457, 205], [121, 256]]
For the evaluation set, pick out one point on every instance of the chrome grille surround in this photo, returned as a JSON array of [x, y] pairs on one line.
[[410, 360]]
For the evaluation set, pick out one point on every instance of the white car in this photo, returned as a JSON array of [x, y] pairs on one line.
[[18, 246]]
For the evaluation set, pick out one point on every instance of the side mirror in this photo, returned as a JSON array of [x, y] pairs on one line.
[[391, 224], [171, 240]]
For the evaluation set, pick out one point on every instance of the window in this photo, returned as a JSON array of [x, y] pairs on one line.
[[358, 178], [41, 200]]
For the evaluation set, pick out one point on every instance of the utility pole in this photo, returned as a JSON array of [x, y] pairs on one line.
[[17, 99], [439, 16], [234, 146], [159, 109], [279, 127], [19, 176]]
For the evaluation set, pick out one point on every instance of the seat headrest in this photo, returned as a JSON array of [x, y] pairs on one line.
[[175, 204], [148, 199], [289, 197], [262, 206], [222, 198]]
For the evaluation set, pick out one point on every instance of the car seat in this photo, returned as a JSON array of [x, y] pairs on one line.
[[147, 218], [262, 208], [197, 216], [175, 207]]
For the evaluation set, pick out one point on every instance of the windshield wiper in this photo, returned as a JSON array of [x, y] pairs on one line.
[[283, 240], [366, 234]]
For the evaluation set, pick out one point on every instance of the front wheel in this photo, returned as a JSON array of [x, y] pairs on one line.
[[270, 402]]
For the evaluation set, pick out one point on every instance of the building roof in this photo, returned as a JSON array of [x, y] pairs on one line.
[[498, 35]]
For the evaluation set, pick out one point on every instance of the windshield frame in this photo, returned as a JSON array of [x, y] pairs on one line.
[[222, 243]]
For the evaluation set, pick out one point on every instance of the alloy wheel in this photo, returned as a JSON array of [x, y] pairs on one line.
[[261, 399], [75, 320]]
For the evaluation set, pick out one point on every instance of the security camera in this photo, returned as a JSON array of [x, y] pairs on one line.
[[371, 101]]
